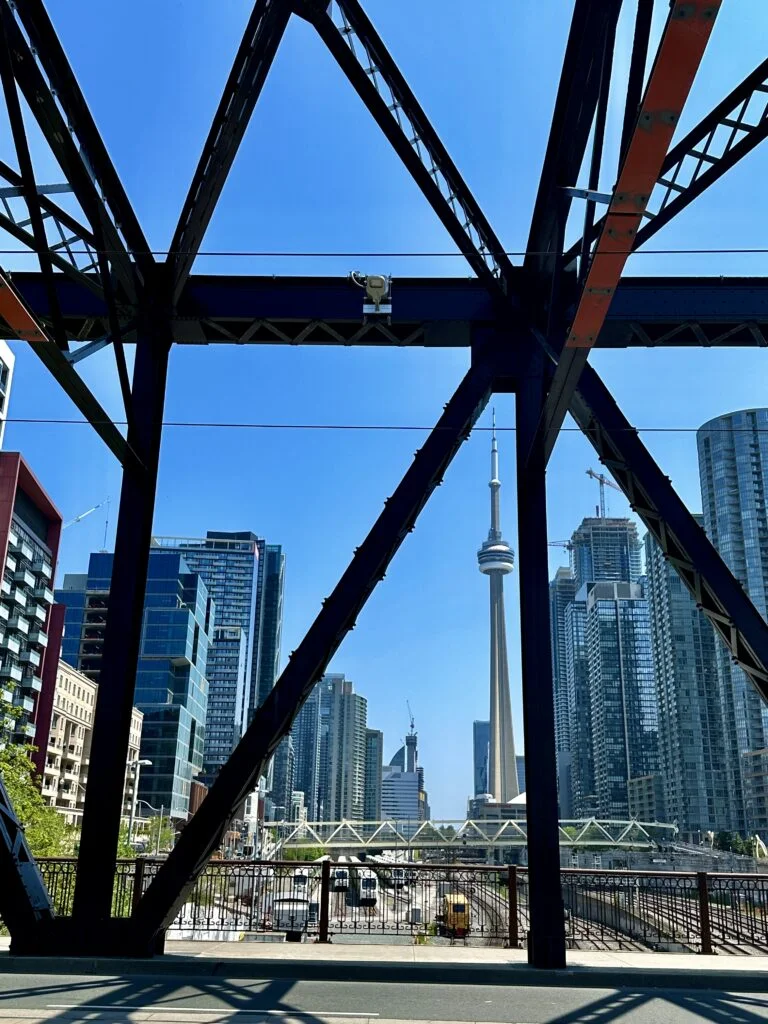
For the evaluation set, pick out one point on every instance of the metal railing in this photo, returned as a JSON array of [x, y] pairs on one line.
[[693, 912]]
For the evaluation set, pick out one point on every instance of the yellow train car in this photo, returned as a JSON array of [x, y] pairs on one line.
[[454, 919]]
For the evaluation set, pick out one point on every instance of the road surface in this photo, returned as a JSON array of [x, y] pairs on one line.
[[243, 1000]]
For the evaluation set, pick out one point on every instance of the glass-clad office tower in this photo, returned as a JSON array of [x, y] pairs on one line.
[[733, 469], [481, 742], [623, 702], [171, 684], [691, 739], [230, 567], [562, 591]]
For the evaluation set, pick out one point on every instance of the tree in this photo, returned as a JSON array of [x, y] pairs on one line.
[[47, 833]]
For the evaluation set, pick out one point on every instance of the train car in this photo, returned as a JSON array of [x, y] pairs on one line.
[[291, 916], [367, 887], [340, 879], [398, 877], [454, 919], [300, 882]]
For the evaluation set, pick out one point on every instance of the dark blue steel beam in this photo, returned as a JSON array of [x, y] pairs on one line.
[[158, 907], [258, 48], [434, 312]]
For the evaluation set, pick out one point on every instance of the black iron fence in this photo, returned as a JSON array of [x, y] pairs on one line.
[[422, 903]]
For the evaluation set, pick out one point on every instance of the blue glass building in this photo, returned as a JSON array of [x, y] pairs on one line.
[[230, 566], [171, 684], [733, 467]]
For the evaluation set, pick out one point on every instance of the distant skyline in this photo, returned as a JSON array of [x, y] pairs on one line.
[[487, 80]]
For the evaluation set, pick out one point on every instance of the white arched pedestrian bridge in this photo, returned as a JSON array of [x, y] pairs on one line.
[[462, 834]]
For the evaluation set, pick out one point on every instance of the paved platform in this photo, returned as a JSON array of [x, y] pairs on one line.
[[447, 965]]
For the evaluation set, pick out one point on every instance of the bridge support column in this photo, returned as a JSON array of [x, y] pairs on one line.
[[546, 938]]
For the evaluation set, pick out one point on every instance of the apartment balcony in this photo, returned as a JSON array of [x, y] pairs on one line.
[[10, 563], [6, 723], [9, 643], [20, 700], [43, 593], [13, 540], [43, 567], [39, 614], [30, 657], [50, 787], [6, 696], [19, 623], [38, 637], [4, 613], [32, 681], [25, 577], [19, 597], [6, 589], [8, 670], [24, 731]]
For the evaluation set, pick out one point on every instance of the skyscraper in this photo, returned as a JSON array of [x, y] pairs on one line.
[[582, 766], [481, 741], [343, 724], [691, 738], [30, 528], [562, 591], [374, 759], [623, 700], [495, 560], [171, 685], [228, 564], [306, 734], [733, 467], [605, 550]]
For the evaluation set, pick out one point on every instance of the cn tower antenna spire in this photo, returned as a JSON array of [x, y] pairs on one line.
[[496, 559]]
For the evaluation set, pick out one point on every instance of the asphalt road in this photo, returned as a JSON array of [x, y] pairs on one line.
[[413, 1002]]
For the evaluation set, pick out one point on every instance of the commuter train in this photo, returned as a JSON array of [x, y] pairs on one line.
[[366, 886], [454, 919], [340, 879]]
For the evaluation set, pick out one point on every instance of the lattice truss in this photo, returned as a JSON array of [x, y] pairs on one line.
[[530, 329]]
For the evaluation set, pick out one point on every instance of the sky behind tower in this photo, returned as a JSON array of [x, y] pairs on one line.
[[315, 174]]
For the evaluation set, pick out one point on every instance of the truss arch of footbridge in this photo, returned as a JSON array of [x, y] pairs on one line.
[[338, 836]]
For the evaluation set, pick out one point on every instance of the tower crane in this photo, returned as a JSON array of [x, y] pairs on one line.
[[567, 544], [602, 479], [87, 512], [410, 715]]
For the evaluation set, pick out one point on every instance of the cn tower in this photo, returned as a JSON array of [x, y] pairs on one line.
[[495, 559]]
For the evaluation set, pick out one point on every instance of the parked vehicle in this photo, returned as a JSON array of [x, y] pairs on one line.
[[340, 880]]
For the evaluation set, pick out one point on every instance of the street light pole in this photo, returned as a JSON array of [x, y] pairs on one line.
[[137, 765]]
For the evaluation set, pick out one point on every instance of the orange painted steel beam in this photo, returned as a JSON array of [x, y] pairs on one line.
[[682, 47], [24, 324], [680, 53], [17, 316]]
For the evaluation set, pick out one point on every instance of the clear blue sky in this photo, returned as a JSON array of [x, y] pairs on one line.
[[314, 173]]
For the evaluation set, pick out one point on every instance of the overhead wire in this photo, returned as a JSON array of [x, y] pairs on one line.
[[295, 254]]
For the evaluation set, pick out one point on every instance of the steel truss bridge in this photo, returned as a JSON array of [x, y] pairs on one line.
[[483, 833], [529, 328]]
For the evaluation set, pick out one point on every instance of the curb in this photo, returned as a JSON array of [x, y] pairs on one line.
[[395, 972]]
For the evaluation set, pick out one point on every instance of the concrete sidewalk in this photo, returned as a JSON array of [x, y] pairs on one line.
[[405, 963]]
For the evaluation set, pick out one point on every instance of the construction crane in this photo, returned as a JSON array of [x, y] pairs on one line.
[[567, 544], [88, 512], [410, 715], [602, 479]]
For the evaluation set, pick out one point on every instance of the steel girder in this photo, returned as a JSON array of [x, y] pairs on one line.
[[689, 27], [25, 906], [159, 905], [261, 39], [360, 53], [646, 312], [371, 70], [728, 133], [718, 594]]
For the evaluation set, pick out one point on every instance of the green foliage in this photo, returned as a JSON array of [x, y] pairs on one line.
[[48, 834], [304, 853], [734, 843], [162, 829]]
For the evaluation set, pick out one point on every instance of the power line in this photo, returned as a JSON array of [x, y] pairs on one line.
[[357, 427], [290, 254]]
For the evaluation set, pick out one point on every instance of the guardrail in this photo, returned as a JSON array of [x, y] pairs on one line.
[[694, 912]]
